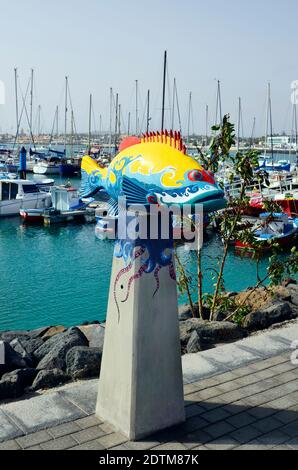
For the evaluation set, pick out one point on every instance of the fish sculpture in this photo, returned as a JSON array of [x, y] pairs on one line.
[[153, 170]]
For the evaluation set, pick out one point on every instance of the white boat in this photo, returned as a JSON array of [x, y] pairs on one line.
[[18, 193], [47, 167]]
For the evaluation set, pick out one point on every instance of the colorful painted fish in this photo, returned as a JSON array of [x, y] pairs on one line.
[[153, 170]]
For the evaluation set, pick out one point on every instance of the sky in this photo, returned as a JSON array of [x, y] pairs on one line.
[[100, 44]]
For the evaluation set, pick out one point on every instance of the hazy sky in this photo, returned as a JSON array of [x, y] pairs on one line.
[[110, 43]]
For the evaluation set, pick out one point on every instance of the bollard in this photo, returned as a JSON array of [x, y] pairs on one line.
[[141, 385]]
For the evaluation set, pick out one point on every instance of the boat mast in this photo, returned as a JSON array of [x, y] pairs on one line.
[[164, 91], [57, 121], [38, 121], [252, 132], [270, 121], [295, 127], [119, 121], [137, 119], [100, 124], [110, 129], [207, 123], [89, 128], [65, 115], [239, 124], [128, 124], [178, 109], [218, 104], [188, 120], [173, 103], [72, 131], [16, 95], [116, 124], [148, 111], [31, 99]]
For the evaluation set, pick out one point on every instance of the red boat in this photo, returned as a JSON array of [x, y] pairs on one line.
[[269, 229]]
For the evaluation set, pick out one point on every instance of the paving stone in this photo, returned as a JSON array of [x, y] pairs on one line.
[[222, 443], [240, 420], [208, 393], [196, 367], [63, 429], [246, 434], [88, 434], [195, 438], [38, 447], [107, 428], [193, 424], [8, 429], [112, 440], [291, 429], [200, 448], [282, 403], [88, 422], [254, 445], [282, 447], [42, 412], [225, 377], [293, 444], [170, 446], [287, 416], [145, 444], [33, 439], [83, 395], [274, 438], [10, 445], [267, 424], [219, 429], [62, 443], [213, 416], [230, 386], [193, 410], [91, 445], [265, 374]]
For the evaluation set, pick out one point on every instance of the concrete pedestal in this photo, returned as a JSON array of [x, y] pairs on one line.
[[141, 386]]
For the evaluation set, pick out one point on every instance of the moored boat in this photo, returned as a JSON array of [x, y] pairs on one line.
[[270, 229], [15, 194]]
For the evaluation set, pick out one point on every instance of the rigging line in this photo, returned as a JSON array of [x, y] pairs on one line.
[[169, 94], [27, 116], [178, 109], [20, 116]]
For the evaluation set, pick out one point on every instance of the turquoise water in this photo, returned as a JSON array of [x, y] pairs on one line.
[[60, 274]]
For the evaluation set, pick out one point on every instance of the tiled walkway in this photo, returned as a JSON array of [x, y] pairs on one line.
[[252, 407]]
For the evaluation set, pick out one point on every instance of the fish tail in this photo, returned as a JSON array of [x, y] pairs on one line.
[[93, 177]]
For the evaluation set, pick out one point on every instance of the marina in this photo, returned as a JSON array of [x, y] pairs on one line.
[[149, 230]]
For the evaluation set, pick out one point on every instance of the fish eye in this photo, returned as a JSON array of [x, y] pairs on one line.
[[152, 199], [195, 175]]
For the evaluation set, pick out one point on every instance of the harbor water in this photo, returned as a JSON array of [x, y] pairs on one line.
[[60, 274]]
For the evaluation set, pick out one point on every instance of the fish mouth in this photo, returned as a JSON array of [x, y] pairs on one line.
[[211, 199]]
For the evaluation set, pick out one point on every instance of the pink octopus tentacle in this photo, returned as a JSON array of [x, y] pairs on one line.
[[123, 271], [134, 278], [157, 280]]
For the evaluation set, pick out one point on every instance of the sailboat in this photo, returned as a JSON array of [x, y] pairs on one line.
[[264, 162]]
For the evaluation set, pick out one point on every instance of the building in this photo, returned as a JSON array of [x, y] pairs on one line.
[[278, 140]]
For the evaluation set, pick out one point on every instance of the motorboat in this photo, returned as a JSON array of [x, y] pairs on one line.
[[18, 193]]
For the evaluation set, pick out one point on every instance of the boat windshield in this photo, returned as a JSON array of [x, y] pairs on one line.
[[30, 188]]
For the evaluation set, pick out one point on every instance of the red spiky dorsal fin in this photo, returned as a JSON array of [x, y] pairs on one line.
[[172, 138]]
